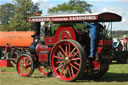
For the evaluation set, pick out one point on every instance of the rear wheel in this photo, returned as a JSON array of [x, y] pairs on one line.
[[103, 70], [68, 60], [95, 74], [25, 66]]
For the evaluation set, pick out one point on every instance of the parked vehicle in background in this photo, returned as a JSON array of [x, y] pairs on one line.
[[119, 53]]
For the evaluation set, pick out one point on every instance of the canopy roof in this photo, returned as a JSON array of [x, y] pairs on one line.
[[99, 17]]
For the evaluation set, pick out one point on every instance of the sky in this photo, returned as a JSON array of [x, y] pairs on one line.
[[116, 6]]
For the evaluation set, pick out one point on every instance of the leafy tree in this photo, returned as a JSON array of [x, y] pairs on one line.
[[6, 13], [72, 6], [23, 10], [80, 6]]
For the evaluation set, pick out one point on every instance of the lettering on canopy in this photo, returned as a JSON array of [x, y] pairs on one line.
[[62, 19]]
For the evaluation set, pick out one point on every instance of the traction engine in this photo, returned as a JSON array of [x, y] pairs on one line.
[[66, 53]]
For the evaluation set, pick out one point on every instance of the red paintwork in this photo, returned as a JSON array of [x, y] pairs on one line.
[[50, 40], [43, 57], [104, 45], [42, 51], [5, 63], [105, 42], [41, 47], [96, 65], [63, 32]]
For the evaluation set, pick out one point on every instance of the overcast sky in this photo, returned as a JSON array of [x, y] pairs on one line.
[[117, 6]]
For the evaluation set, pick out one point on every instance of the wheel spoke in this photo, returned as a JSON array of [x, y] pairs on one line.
[[74, 67], [62, 50], [62, 69], [75, 59], [69, 47], [69, 72], [74, 54], [22, 70], [72, 71], [76, 63], [26, 69], [23, 60], [61, 54], [66, 50], [58, 57], [21, 63], [59, 67], [65, 71], [28, 63], [59, 62], [44, 70], [72, 51]]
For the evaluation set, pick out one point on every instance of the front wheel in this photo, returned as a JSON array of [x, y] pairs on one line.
[[25, 66], [46, 71], [67, 60]]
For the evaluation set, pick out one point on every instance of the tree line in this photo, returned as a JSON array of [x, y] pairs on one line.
[[13, 16], [119, 33]]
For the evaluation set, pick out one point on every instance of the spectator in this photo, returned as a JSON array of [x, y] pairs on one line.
[[8, 51], [125, 42]]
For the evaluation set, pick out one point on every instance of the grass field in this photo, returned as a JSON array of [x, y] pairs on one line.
[[117, 75]]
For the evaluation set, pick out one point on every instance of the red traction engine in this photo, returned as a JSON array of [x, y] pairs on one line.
[[66, 53]]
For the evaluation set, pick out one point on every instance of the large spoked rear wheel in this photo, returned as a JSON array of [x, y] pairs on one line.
[[96, 74], [25, 66], [103, 70], [67, 60]]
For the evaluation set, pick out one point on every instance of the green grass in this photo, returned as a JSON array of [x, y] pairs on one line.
[[117, 75]]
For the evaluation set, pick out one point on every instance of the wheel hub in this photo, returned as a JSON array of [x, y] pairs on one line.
[[66, 60]]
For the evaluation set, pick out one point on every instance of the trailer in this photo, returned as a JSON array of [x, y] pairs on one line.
[[19, 41], [66, 53]]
